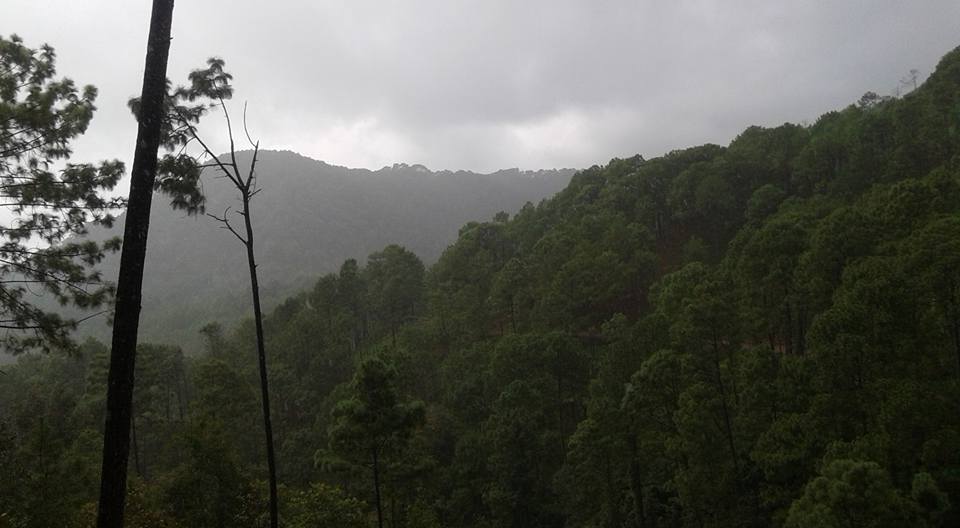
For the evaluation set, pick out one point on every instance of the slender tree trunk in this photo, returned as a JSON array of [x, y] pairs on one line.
[[116, 436], [728, 428], [376, 488], [787, 328], [801, 330], [613, 492], [393, 511], [166, 403], [262, 357], [636, 483], [953, 311], [560, 422], [180, 396], [43, 465], [136, 447], [956, 341]]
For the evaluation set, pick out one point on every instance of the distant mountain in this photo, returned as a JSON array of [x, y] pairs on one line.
[[309, 218]]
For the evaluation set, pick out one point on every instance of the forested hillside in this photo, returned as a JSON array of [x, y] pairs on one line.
[[310, 216], [762, 334]]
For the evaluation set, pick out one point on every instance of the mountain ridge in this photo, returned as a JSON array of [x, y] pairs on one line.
[[309, 218]]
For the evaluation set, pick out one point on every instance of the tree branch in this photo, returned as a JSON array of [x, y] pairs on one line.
[[226, 224]]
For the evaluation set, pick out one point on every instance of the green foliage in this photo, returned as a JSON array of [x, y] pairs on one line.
[[53, 201], [855, 493], [373, 428], [324, 506], [209, 489], [374, 421], [178, 171], [394, 279]]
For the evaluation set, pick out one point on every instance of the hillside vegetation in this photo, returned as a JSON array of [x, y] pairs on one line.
[[309, 217]]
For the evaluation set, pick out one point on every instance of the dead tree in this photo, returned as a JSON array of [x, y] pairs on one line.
[[245, 182]]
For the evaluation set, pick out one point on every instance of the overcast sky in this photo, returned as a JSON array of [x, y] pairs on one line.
[[490, 84]]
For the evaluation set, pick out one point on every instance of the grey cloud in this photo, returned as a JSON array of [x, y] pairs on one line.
[[490, 84]]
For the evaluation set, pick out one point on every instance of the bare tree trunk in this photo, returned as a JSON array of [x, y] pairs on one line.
[[116, 436], [262, 358]]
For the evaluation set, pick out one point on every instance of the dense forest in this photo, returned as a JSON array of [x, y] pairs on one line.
[[314, 217], [762, 334]]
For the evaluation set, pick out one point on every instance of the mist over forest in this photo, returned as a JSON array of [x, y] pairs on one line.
[[315, 216], [757, 331]]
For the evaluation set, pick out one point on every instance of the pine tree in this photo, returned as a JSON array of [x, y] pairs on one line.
[[52, 200], [374, 424]]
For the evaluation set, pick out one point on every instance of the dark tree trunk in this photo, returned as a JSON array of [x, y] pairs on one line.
[[636, 483], [376, 488], [728, 428], [262, 357], [116, 436], [801, 330], [136, 447], [613, 492], [42, 464], [180, 396], [787, 328], [956, 341], [393, 512], [560, 406], [953, 313]]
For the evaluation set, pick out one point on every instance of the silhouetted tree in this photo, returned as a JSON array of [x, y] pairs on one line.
[[182, 172], [116, 439]]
